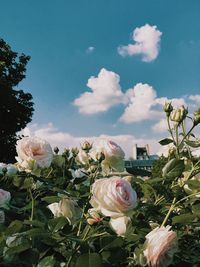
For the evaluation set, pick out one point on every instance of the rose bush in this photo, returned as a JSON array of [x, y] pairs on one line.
[[70, 209]]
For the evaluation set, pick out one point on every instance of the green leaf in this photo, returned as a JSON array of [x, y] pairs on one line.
[[109, 242], [196, 209], [193, 144], [166, 141], [89, 260], [48, 261], [173, 168], [184, 218], [57, 224], [51, 199]]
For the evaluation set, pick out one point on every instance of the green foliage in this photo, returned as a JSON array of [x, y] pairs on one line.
[[32, 236], [16, 107]]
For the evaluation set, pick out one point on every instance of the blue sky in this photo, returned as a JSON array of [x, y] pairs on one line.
[[70, 41]]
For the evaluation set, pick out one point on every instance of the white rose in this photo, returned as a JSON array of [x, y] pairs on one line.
[[2, 166], [4, 197], [160, 246], [67, 208], [114, 197], [33, 152], [11, 169], [114, 155]]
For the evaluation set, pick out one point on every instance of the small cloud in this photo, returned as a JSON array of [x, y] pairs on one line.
[[147, 43], [90, 49]]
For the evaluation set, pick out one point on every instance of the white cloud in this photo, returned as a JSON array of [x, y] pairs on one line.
[[106, 92], [147, 43], [90, 49], [141, 100], [195, 98], [160, 126], [66, 140]]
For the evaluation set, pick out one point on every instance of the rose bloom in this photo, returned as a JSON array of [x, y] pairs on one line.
[[114, 155], [33, 152], [4, 197], [114, 197], [67, 208], [160, 246]]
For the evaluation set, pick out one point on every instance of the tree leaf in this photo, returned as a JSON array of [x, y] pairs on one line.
[[173, 168], [166, 141]]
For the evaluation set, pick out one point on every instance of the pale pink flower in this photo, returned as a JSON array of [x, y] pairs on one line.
[[160, 246]]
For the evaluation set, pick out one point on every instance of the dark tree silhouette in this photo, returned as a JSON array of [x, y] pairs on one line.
[[16, 107]]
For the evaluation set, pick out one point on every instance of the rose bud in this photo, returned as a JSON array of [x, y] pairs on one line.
[[179, 114], [197, 117], [86, 146], [168, 108]]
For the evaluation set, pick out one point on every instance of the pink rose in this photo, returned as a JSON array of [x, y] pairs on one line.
[[33, 152], [114, 197], [114, 155], [160, 246]]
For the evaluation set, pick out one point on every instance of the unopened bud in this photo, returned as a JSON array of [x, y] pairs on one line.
[[91, 221], [94, 214], [179, 114], [66, 153], [92, 169], [168, 108], [100, 156], [197, 117], [74, 151], [86, 146], [56, 150]]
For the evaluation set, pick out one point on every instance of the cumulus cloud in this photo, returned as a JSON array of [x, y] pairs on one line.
[[90, 49], [141, 99], [195, 98], [66, 140], [147, 43], [106, 92], [160, 126]]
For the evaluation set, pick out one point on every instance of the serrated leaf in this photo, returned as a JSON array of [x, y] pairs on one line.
[[89, 260], [166, 141], [173, 168]]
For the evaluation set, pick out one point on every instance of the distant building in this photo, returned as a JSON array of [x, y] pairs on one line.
[[141, 163]]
